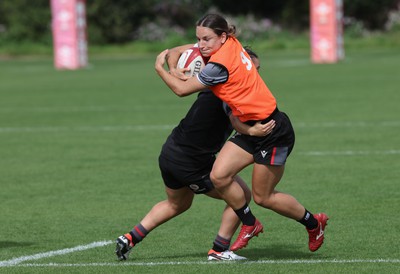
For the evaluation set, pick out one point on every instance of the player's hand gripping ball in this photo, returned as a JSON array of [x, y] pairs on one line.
[[191, 59]]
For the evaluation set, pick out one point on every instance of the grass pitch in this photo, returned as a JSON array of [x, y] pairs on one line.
[[79, 166]]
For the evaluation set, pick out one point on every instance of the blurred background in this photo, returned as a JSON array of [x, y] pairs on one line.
[[150, 25]]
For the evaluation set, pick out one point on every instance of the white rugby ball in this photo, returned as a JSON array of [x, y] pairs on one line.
[[192, 59]]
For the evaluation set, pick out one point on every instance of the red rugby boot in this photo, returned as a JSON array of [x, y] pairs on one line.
[[246, 233], [316, 235]]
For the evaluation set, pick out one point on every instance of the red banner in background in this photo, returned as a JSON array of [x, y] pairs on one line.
[[326, 31], [69, 33]]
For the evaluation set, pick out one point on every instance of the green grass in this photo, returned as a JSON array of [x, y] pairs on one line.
[[79, 165]]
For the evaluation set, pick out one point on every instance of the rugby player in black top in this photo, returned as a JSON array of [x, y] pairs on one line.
[[186, 161]]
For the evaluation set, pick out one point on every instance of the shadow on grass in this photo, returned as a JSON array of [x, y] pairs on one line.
[[272, 252], [279, 252], [7, 244]]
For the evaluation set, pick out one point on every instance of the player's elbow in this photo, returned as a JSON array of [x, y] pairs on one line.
[[180, 92]]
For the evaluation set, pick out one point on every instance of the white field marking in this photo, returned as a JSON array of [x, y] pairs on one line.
[[56, 129], [280, 262], [57, 109], [351, 152], [292, 63], [348, 124], [38, 256], [84, 128]]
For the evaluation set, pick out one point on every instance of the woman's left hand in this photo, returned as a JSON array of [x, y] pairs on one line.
[[160, 60]]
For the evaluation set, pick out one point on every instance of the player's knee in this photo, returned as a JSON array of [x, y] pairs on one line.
[[217, 179], [265, 202], [181, 206]]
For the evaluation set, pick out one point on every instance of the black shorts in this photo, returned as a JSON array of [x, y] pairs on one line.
[[272, 149], [179, 175]]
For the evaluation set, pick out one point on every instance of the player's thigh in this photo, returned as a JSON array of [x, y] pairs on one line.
[[230, 160], [213, 194]]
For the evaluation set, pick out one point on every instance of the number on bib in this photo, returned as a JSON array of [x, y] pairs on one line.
[[246, 61]]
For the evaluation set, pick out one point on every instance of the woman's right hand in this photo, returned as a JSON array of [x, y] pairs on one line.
[[179, 73]]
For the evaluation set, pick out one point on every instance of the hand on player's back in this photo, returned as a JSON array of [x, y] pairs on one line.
[[260, 129]]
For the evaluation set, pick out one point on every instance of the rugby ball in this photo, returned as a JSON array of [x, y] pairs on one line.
[[192, 59]]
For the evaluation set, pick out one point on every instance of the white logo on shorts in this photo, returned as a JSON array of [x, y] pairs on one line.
[[264, 153], [194, 187]]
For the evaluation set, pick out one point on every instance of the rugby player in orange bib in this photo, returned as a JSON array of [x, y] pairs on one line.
[[232, 77]]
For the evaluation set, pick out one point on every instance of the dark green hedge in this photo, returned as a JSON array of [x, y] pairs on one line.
[[115, 22]]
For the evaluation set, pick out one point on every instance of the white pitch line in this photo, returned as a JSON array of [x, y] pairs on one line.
[[280, 262], [39, 256], [85, 128], [350, 124], [16, 262], [60, 109], [351, 152], [167, 127]]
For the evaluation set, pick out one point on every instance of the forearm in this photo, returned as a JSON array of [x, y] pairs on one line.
[[178, 86], [239, 126], [258, 129], [174, 54], [171, 81]]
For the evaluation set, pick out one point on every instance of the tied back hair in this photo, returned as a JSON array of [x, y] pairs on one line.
[[217, 23]]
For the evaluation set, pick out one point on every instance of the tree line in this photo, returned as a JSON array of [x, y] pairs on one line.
[[114, 22]]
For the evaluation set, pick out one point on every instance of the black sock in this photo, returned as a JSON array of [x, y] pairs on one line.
[[138, 233], [308, 220], [245, 215], [221, 244]]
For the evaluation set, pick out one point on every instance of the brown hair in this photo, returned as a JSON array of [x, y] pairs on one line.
[[217, 23], [250, 52]]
